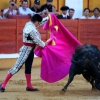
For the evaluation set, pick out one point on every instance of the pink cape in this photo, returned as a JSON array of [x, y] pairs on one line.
[[56, 59]]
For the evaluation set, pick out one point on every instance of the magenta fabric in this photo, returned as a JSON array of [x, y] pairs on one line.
[[56, 59]]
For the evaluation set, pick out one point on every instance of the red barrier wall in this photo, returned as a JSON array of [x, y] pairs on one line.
[[11, 32], [8, 36]]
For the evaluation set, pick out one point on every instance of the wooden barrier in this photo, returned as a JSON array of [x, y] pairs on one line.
[[89, 30], [71, 25], [8, 36], [11, 32]]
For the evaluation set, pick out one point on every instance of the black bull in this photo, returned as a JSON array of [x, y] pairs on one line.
[[86, 61]]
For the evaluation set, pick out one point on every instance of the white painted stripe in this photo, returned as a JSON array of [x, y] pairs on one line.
[[16, 55], [77, 5]]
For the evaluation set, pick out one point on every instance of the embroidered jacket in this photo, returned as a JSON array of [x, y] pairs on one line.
[[32, 35]]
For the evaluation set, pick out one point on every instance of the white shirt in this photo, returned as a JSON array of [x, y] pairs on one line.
[[1, 17], [83, 17], [25, 11], [14, 12], [93, 17], [64, 16]]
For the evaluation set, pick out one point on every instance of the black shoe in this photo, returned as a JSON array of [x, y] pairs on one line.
[[32, 89], [1, 88]]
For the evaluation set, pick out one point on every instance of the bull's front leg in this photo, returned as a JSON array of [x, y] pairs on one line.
[[71, 76]]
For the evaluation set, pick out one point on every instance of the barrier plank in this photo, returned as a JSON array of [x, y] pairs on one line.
[[7, 36], [71, 25], [89, 30], [11, 32]]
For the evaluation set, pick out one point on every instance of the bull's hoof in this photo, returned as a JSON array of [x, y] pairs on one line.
[[63, 91], [94, 89]]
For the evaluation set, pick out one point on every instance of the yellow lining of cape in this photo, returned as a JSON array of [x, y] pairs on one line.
[[48, 32]]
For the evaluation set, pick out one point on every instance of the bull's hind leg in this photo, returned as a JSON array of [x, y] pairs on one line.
[[93, 85], [89, 79], [71, 76], [97, 84]]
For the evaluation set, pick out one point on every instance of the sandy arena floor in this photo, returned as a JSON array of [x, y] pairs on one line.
[[79, 89]]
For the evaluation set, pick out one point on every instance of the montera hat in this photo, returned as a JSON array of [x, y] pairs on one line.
[[64, 8]]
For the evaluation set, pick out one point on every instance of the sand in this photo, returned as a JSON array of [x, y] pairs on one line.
[[79, 89]]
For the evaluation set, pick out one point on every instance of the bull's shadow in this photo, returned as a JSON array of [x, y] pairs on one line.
[[86, 61]]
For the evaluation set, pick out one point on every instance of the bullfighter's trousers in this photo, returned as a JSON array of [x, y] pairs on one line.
[[26, 55]]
